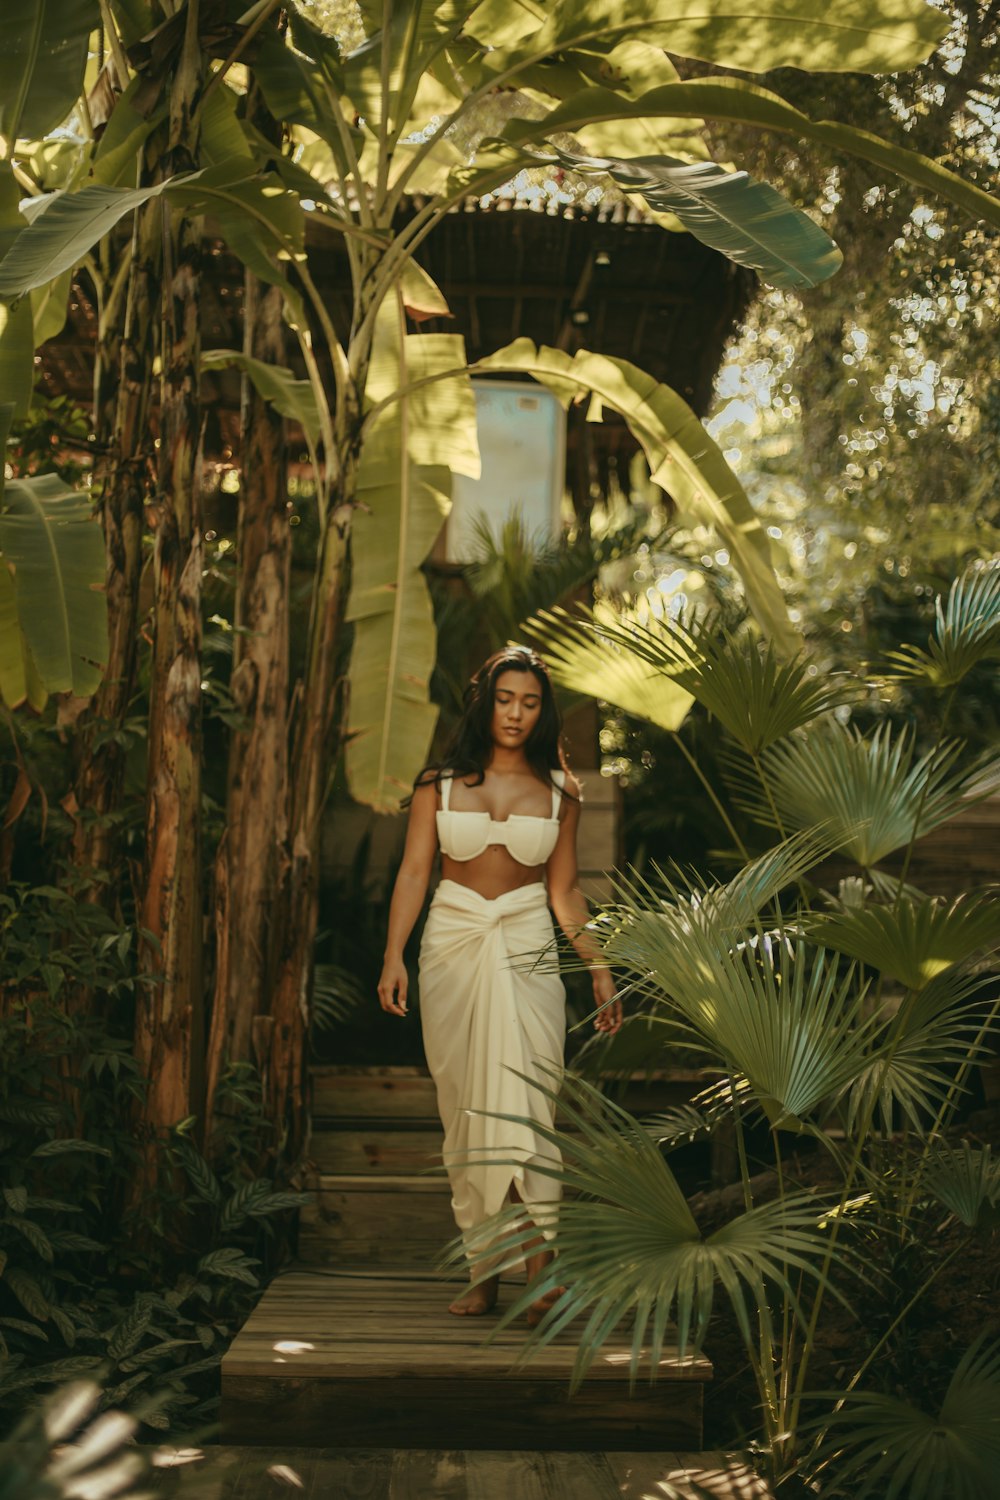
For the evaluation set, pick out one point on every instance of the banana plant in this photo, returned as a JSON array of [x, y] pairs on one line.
[[53, 624]]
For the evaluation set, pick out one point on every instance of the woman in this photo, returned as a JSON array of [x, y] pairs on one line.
[[502, 809]]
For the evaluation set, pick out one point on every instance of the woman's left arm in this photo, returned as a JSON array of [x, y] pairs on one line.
[[571, 912]]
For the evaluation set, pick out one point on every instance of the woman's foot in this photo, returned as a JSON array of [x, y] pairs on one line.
[[534, 1265], [478, 1300], [536, 1312]]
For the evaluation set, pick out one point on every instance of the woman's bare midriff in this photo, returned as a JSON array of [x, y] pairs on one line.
[[492, 873]]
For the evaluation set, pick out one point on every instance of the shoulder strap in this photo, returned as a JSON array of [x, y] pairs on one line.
[[559, 781], [445, 792]]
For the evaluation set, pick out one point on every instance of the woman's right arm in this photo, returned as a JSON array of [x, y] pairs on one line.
[[408, 896]]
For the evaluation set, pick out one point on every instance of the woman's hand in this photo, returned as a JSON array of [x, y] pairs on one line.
[[392, 987], [609, 1018]]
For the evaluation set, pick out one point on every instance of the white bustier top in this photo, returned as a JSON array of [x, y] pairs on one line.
[[527, 838]]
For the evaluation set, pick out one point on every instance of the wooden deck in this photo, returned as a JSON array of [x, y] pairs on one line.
[[376, 1474], [361, 1359]]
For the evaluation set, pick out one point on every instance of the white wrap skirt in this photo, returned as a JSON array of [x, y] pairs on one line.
[[487, 1016]]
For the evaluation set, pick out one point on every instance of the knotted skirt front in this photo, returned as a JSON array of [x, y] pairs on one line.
[[488, 1016]]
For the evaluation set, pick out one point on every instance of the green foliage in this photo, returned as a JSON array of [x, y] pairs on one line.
[[881, 1445], [143, 1299], [966, 632], [877, 793], [755, 693]]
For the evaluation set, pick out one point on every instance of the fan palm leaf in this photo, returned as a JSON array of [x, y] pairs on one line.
[[881, 1446], [874, 790], [918, 937], [966, 631], [582, 659], [629, 1246], [756, 695], [760, 1003], [966, 1181], [918, 1050], [698, 1120]]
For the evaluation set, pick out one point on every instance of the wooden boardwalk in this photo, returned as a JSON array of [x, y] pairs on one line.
[[356, 1359], [376, 1474]]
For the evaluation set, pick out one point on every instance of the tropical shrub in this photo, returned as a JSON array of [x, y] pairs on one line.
[[142, 1296]]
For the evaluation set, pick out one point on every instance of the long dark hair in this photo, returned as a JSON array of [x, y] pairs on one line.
[[471, 745]]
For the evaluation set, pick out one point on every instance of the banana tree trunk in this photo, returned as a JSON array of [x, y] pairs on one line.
[[249, 856], [169, 1041], [123, 386], [282, 1043]]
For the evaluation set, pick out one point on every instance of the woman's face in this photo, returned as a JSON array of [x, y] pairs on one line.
[[517, 704]]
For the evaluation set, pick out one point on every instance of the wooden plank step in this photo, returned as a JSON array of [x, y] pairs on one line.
[[230, 1473], [367, 1149], [342, 1360], [397, 1094], [405, 1098], [379, 1219]]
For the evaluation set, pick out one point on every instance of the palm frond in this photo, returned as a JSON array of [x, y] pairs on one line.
[[874, 791], [966, 631], [587, 663], [915, 939], [878, 1445], [707, 1111], [757, 696], [918, 1050], [967, 1182], [766, 1008], [750, 999], [629, 1246]]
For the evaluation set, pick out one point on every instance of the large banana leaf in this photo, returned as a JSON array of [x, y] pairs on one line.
[[852, 36], [404, 490], [17, 331], [747, 103], [123, 137], [748, 221], [683, 458], [63, 226], [52, 561], [418, 32], [42, 63], [292, 398]]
